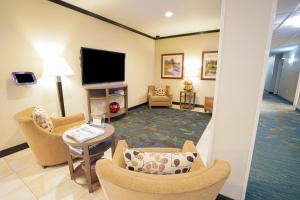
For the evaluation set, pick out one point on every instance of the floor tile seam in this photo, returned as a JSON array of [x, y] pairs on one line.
[[21, 179]]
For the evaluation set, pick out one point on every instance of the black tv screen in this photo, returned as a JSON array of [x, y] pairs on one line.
[[99, 66]]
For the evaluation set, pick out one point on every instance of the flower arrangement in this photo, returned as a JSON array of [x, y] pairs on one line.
[[188, 86]]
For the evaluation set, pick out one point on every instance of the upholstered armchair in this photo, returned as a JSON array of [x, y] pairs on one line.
[[208, 104], [200, 183], [48, 148], [154, 100]]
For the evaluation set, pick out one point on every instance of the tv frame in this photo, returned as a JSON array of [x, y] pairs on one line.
[[99, 83]]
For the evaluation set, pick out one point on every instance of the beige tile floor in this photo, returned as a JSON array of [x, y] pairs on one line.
[[196, 109], [21, 178]]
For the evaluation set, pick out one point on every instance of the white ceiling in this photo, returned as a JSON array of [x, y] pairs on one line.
[[148, 17], [284, 35], [189, 16]]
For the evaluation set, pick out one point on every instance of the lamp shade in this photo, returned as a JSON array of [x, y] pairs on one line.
[[57, 67]]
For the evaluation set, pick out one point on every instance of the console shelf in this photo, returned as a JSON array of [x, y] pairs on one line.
[[105, 93]]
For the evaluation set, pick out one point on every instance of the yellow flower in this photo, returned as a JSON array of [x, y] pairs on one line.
[[134, 163]]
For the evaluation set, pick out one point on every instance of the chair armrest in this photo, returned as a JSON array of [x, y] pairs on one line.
[[168, 90], [170, 96], [67, 120], [118, 155], [212, 177], [150, 94], [189, 146], [151, 90]]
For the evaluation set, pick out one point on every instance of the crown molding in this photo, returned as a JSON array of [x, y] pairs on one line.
[[99, 17], [188, 34], [91, 14]]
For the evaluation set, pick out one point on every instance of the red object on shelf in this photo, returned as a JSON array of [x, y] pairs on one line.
[[114, 107]]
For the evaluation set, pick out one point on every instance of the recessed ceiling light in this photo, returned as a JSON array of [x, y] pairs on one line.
[[168, 14]]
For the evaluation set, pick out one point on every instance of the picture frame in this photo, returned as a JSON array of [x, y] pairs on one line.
[[172, 66], [209, 65]]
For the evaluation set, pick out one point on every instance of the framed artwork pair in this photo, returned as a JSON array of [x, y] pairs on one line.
[[172, 65]]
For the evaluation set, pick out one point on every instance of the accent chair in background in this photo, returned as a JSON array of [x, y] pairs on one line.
[[159, 100]]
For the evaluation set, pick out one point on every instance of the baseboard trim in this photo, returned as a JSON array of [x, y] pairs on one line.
[[13, 149], [222, 197], [136, 106], [282, 98], [196, 105], [23, 146], [20, 147]]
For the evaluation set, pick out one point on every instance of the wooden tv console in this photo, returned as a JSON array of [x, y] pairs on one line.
[[106, 92]]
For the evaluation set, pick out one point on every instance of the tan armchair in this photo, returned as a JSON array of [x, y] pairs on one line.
[[200, 183], [159, 100], [48, 148], [208, 104]]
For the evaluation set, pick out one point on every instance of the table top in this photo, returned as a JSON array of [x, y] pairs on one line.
[[187, 92], [109, 131]]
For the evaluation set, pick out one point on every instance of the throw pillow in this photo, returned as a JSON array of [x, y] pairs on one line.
[[158, 163], [41, 117], [160, 91]]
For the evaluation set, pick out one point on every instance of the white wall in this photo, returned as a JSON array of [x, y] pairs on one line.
[[192, 47], [244, 49], [289, 76], [26, 24], [269, 75]]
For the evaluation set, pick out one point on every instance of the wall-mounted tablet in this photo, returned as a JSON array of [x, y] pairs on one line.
[[24, 78]]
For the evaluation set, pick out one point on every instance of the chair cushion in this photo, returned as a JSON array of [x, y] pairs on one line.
[[59, 130], [158, 163], [160, 91], [40, 116], [160, 98]]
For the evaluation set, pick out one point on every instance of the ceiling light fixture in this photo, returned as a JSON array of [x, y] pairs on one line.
[[292, 59], [294, 21], [168, 14]]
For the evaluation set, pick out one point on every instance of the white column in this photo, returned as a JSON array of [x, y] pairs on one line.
[[245, 37]]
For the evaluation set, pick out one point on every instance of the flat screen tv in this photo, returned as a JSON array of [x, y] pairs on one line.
[[99, 66]]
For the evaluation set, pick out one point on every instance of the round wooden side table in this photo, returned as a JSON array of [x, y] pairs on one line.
[[88, 154]]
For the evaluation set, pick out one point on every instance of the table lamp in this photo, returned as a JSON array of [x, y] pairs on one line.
[[58, 67]]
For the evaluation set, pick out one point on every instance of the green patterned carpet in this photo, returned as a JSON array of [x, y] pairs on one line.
[[160, 127]]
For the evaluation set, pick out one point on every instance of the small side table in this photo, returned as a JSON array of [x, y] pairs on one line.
[[187, 99], [87, 156]]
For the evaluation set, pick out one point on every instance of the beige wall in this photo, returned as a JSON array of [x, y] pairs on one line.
[[24, 24], [289, 75], [192, 47]]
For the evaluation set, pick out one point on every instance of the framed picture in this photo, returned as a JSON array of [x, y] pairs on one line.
[[209, 65], [172, 66]]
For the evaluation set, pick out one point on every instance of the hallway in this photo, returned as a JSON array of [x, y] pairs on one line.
[[275, 168]]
